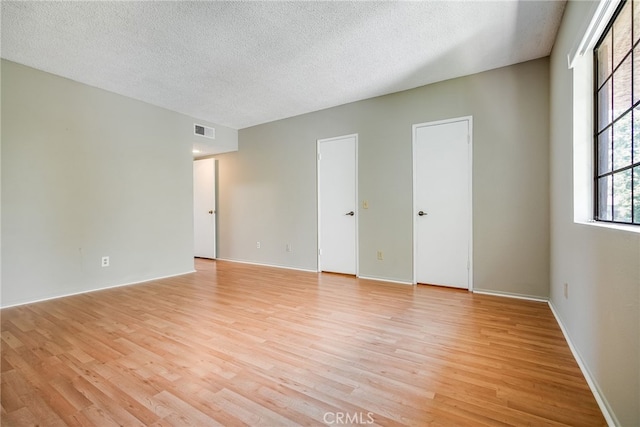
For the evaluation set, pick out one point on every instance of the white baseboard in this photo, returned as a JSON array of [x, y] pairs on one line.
[[266, 265], [510, 295], [378, 279], [600, 399], [97, 289], [307, 270]]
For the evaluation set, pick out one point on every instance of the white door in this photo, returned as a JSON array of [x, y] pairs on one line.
[[204, 208], [337, 201], [442, 203]]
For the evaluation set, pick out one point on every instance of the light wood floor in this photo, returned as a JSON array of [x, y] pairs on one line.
[[242, 345]]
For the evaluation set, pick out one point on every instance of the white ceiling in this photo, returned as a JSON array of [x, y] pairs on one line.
[[244, 63]]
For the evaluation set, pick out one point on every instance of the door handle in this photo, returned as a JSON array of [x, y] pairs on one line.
[[210, 212], [422, 213], [351, 213]]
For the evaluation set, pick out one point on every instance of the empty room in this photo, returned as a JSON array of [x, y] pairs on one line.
[[320, 213]]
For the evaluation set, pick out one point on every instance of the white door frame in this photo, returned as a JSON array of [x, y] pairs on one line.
[[357, 210], [414, 218], [214, 164]]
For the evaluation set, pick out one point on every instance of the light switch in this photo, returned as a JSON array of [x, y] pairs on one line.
[[365, 204]]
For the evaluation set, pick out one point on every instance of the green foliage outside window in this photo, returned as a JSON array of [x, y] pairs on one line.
[[617, 133]]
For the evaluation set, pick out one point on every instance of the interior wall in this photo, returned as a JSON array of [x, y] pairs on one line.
[[601, 266], [268, 188], [87, 173]]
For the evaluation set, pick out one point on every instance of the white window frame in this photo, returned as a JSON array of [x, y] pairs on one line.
[[580, 60]]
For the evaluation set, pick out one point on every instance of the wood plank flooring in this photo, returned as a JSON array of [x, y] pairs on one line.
[[235, 344]]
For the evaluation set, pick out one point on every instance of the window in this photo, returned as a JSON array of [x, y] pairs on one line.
[[617, 118]]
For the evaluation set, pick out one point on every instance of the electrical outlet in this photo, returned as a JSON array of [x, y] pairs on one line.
[[380, 256], [566, 290], [105, 261], [288, 247], [257, 245]]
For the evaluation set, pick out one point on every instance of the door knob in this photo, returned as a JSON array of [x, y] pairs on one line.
[[351, 213], [211, 212], [422, 213]]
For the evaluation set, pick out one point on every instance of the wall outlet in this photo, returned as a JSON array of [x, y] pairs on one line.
[[288, 247], [105, 261], [257, 245], [380, 256], [566, 290]]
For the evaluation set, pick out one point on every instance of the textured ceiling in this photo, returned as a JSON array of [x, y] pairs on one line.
[[243, 63]]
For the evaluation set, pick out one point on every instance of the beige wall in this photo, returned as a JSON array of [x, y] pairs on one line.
[[88, 173], [601, 266], [268, 188]]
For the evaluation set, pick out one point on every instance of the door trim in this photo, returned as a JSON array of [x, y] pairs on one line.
[[414, 128], [357, 208], [214, 165]]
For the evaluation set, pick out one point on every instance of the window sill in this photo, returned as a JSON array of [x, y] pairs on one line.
[[619, 227]]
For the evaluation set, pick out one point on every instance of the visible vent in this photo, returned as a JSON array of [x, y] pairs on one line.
[[205, 131]]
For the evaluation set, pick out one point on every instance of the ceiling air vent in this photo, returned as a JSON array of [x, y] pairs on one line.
[[205, 131]]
